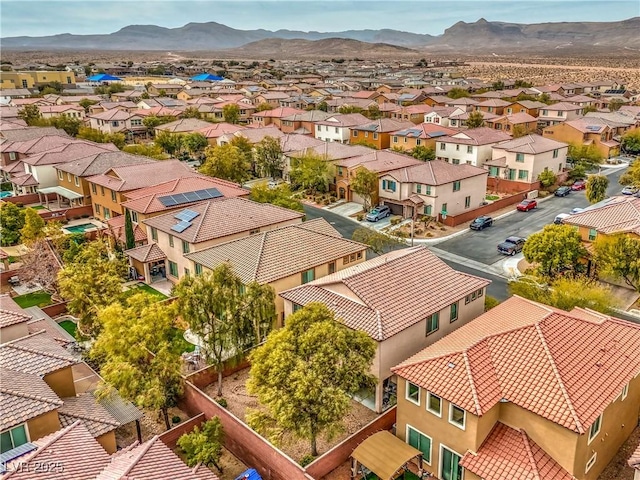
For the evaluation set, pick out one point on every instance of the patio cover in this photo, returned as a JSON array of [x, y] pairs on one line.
[[63, 192], [384, 454]]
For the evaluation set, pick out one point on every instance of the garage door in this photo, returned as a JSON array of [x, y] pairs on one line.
[[396, 208]]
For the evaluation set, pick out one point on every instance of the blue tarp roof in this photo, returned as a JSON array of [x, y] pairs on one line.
[[103, 77], [206, 77], [250, 474]]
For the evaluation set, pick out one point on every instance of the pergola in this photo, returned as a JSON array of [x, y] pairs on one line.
[[385, 455], [60, 192]]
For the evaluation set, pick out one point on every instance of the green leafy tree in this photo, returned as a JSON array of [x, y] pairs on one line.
[[264, 107], [68, 124], [596, 188], [268, 157], [555, 249], [194, 143], [522, 84], [227, 316], [93, 135], [91, 282], [323, 106], [631, 176], [378, 242], [344, 109], [423, 153], [130, 239], [246, 150], [547, 178], [40, 265], [587, 156], [304, 381], [88, 70], [191, 112], [619, 256], [12, 220], [146, 149], [310, 172], [51, 87], [204, 446], [280, 196], [475, 120], [365, 184], [171, 143], [373, 112], [615, 104], [631, 142], [226, 162], [498, 85], [137, 355], [30, 114], [231, 113], [519, 131], [457, 92], [33, 227], [545, 98]]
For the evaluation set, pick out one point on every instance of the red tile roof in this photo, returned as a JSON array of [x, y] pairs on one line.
[[477, 136], [37, 354], [117, 229], [146, 253], [132, 177], [380, 161], [435, 172], [11, 313], [526, 353], [86, 409], [620, 215]]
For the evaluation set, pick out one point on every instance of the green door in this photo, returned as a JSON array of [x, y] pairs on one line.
[[450, 462]]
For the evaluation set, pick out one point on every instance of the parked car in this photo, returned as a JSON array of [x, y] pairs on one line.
[[629, 190], [562, 191], [481, 223], [378, 213], [579, 185], [559, 220], [576, 210], [526, 205], [511, 245]]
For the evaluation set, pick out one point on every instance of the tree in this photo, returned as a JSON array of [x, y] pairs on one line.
[[378, 242], [586, 155], [194, 143], [191, 112], [519, 131], [231, 113], [475, 120], [12, 219], [51, 87], [226, 162], [91, 282], [33, 227], [631, 176], [344, 109], [280, 196], [619, 256], [88, 70], [498, 85], [147, 150], [323, 106], [457, 92], [373, 112], [169, 142], [546, 98], [310, 172], [631, 142], [268, 157], [137, 354], [423, 153], [68, 124], [596, 188], [227, 316], [547, 178], [263, 107], [615, 104], [305, 381], [91, 134], [40, 265], [365, 184], [555, 249], [204, 446], [130, 239], [246, 150], [30, 114]]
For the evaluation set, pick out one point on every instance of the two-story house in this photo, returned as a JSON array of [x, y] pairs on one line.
[[71, 111], [402, 318], [558, 113], [183, 125], [274, 116], [532, 107], [421, 135], [302, 123], [472, 146], [434, 188], [515, 123], [411, 113], [586, 131], [496, 106], [337, 128], [216, 130], [117, 120], [523, 391], [283, 258], [377, 133], [442, 115]]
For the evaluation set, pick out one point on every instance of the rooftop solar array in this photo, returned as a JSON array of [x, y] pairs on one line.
[[186, 215], [593, 128], [189, 197], [181, 226], [14, 453]]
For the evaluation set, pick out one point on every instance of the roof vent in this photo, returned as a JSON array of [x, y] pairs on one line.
[[451, 364]]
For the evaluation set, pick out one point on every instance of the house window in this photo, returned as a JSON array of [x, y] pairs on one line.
[[308, 276], [76, 180], [469, 149], [418, 142], [494, 171], [457, 416], [420, 441], [395, 139], [523, 174], [457, 148], [389, 185], [337, 131], [625, 391], [555, 153], [186, 271], [185, 247], [434, 404], [443, 146], [456, 186], [591, 462], [295, 307], [427, 210], [355, 133], [14, 438], [154, 234], [413, 393], [375, 136], [102, 190], [96, 207], [173, 269], [428, 187], [456, 161], [345, 260], [94, 189], [592, 234], [433, 323], [444, 209], [519, 157], [467, 201], [366, 134], [198, 268], [545, 112], [453, 316], [115, 124], [332, 267], [68, 177], [134, 216], [24, 84], [595, 428], [60, 177], [106, 213], [512, 174], [418, 188], [340, 171], [171, 240]]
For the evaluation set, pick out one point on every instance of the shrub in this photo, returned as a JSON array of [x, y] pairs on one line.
[[19, 204], [395, 220], [429, 235], [306, 460], [360, 217], [401, 234], [175, 419], [222, 402], [543, 193], [326, 201], [490, 302], [333, 198], [443, 228]]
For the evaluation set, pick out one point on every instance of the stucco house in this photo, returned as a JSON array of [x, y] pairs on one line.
[[337, 128], [472, 146]]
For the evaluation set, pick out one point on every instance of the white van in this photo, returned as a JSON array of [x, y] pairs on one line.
[[559, 219]]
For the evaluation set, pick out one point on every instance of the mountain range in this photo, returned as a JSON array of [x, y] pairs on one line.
[[212, 36]]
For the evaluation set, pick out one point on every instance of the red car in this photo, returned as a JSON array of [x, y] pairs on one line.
[[526, 205], [579, 185]]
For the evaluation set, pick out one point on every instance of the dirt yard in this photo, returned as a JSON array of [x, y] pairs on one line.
[[618, 469], [238, 400]]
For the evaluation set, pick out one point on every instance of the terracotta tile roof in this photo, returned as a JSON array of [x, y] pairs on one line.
[[308, 116], [146, 200], [36, 145], [72, 447], [111, 115], [532, 143], [222, 217], [184, 125], [117, 229], [525, 353], [563, 107], [389, 293], [11, 313], [86, 409], [383, 125], [37, 354], [24, 180], [494, 102], [24, 396], [278, 112], [280, 253], [254, 135], [69, 152], [217, 129], [99, 163], [620, 215], [146, 253], [477, 136], [510, 453], [132, 177], [518, 118], [435, 172], [150, 461], [634, 460], [345, 120], [292, 142], [426, 131], [486, 116], [334, 150], [588, 124], [380, 161]]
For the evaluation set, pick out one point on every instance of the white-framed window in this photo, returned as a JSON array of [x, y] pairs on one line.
[[60, 175], [591, 462], [68, 177], [12, 155], [457, 416], [422, 442], [434, 404], [413, 393], [595, 428], [76, 180], [625, 391], [14, 437]]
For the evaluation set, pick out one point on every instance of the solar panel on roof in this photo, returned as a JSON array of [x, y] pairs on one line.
[[181, 226], [186, 215], [437, 134], [167, 201], [14, 453], [189, 197]]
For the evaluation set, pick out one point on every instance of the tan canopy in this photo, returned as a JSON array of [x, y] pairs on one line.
[[384, 454]]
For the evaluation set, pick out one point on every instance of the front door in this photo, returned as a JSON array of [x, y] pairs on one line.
[[450, 465]]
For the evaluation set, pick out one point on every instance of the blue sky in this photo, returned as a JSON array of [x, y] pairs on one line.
[[37, 17]]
